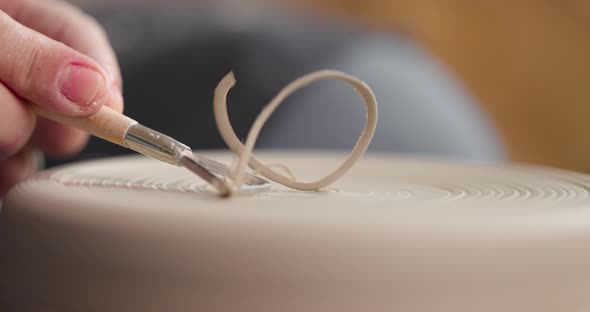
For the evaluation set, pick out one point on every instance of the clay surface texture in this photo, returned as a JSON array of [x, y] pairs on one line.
[[135, 234]]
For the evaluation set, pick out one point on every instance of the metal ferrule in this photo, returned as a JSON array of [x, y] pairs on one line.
[[154, 144]]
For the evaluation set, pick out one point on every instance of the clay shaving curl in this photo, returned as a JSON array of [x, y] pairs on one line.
[[244, 151]]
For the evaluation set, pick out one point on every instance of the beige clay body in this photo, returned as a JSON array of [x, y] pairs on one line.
[[133, 234]]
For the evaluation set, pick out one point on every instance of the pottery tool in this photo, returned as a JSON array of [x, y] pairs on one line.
[[122, 130], [117, 128]]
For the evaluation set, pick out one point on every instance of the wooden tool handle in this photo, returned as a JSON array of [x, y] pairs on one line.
[[106, 123]]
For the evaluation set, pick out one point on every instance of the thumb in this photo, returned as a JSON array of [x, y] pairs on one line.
[[48, 73]]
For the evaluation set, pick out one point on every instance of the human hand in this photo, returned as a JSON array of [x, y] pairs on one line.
[[57, 57]]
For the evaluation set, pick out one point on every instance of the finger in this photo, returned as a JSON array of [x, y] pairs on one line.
[[48, 73], [17, 122], [69, 25], [15, 169], [57, 140]]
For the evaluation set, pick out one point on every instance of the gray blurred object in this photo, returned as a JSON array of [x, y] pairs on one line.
[[422, 109], [172, 59]]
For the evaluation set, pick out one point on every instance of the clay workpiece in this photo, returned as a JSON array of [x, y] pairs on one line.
[[134, 234]]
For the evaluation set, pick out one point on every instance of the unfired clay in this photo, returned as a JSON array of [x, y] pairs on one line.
[[244, 150], [133, 234]]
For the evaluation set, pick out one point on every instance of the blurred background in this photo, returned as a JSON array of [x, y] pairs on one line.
[[482, 81]]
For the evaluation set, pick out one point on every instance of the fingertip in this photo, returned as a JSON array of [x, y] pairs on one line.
[[66, 66], [17, 126], [15, 141], [77, 140], [15, 169], [84, 88], [57, 140]]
